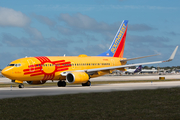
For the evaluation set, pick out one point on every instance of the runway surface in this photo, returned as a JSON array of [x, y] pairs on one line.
[[4, 80], [75, 89], [135, 77]]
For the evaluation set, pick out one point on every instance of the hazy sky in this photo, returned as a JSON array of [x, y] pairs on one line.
[[73, 27]]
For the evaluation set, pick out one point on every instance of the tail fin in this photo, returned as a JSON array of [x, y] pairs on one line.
[[117, 47], [138, 69]]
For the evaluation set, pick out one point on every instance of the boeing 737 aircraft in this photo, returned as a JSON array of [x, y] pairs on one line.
[[73, 69]]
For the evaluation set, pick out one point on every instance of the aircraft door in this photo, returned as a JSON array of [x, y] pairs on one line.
[[72, 65], [31, 65], [112, 62]]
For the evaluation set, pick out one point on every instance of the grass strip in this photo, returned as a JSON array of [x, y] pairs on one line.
[[140, 104]]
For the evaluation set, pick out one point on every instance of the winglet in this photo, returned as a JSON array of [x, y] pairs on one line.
[[172, 55]]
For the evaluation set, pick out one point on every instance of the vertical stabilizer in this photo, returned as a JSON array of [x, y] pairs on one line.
[[117, 47], [139, 69]]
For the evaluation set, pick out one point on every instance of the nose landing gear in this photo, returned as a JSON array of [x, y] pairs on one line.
[[21, 86]]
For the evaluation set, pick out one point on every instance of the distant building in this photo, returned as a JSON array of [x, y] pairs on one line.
[[177, 70], [153, 70]]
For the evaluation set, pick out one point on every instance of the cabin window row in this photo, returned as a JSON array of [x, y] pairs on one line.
[[89, 64], [76, 64]]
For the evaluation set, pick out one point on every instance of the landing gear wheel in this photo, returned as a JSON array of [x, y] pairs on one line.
[[21, 86], [61, 84], [88, 83]]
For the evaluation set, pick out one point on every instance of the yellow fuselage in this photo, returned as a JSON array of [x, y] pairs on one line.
[[50, 68]]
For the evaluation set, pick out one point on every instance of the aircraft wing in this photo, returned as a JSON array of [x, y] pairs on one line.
[[123, 66], [91, 71], [138, 57]]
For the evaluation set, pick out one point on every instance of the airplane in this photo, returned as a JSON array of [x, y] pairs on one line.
[[132, 71], [74, 69]]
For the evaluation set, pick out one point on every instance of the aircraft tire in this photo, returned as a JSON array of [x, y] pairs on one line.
[[61, 84], [83, 84], [21, 86], [88, 83]]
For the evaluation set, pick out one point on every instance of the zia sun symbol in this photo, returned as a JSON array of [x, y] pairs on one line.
[[42, 69]]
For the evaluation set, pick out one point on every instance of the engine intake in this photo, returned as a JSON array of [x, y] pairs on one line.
[[77, 77], [36, 82]]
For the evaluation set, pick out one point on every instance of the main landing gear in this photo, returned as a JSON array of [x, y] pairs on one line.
[[61, 84], [88, 83], [21, 86]]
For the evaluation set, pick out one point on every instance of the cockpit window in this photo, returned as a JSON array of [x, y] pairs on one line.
[[17, 65], [10, 65]]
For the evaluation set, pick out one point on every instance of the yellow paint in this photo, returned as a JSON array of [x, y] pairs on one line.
[[161, 78], [18, 81], [81, 77], [82, 62], [48, 68]]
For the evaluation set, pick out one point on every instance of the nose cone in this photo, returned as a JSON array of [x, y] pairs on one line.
[[6, 72]]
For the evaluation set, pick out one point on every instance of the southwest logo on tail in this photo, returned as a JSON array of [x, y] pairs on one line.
[[117, 47], [74, 69]]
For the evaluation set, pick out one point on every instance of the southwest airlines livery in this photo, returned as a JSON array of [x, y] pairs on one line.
[[73, 69]]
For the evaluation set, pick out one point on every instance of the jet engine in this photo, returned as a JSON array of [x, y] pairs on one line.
[[77, 77], [36, 82]]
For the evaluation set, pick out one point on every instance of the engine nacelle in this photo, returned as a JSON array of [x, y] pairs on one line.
[[36, 82], [77, 77]]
